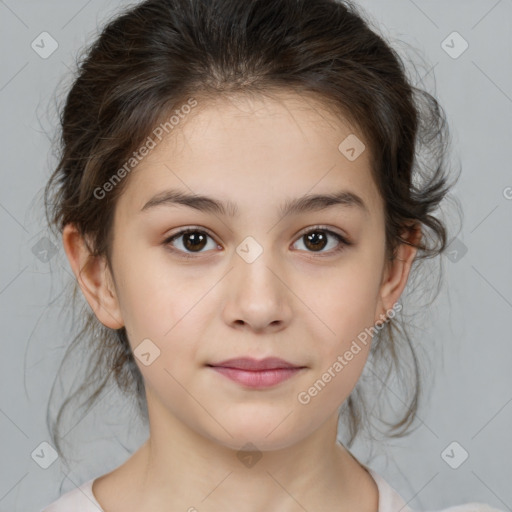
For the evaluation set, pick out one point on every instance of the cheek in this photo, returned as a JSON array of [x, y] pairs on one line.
[[345, 307], [168, 309], [342, 325], [344, 341], [164, 322], [153, 295]]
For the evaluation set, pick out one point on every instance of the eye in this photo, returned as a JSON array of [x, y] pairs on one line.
[[317, 238], [193, 240]]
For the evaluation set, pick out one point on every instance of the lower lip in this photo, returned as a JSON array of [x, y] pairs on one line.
[[257, 379]]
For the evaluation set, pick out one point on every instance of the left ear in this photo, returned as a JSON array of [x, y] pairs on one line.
[[396, 272]]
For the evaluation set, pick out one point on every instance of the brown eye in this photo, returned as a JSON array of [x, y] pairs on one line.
[[193, 241], [317, 240]]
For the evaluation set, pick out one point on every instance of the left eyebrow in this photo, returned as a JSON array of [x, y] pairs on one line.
[[307, 203]]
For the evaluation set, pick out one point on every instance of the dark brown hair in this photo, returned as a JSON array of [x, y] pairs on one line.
[[153, 57]]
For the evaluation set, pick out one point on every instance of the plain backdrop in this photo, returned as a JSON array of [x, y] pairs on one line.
[[466, 333]]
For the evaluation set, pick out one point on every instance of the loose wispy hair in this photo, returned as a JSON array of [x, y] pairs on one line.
[[152, 57]]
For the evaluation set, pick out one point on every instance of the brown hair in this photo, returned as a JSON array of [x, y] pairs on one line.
[[154, 56]]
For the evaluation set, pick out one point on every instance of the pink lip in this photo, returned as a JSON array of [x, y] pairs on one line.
[[257, 373], [248, 363]]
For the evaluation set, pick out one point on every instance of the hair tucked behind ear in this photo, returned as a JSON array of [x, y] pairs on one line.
[[152, 58]]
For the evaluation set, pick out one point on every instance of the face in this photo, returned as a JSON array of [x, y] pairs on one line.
[[249, 280]]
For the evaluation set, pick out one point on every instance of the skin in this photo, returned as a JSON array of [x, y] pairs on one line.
[[290, 302]]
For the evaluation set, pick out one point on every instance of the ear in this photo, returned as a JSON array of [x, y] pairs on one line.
[[396, 272], [94, 278]]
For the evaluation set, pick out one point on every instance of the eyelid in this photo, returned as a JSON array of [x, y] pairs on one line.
[[192, 227], [323, 227], [186, 229]]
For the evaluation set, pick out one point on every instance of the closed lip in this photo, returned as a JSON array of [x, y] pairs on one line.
[[250, 364]]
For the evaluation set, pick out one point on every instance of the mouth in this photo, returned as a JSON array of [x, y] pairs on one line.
[[255, 373], [250, 364]]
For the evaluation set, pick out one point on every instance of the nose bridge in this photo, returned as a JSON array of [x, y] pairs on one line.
[[254, 262], [259, 295]]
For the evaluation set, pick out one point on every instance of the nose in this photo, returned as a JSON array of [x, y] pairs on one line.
[[258, 295]]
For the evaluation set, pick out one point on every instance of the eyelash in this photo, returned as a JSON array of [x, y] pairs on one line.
[[343, 241]]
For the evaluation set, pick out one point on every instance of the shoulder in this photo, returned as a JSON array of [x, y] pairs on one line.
[[470, 507], [390, 500], [81, 498]]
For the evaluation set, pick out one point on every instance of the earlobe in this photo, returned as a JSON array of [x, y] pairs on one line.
[[93, 276], [397, 272]]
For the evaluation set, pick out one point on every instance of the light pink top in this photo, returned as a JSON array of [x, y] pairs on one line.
[[82, 499]]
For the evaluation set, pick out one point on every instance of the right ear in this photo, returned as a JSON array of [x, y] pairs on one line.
[[94, 278]]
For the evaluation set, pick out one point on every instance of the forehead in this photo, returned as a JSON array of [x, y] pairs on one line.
[[255, 151]]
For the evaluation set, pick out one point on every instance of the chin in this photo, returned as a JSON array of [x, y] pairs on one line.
[[256, 443], [256, 435]]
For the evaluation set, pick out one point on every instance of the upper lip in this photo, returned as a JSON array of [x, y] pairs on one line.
[[248, 363]]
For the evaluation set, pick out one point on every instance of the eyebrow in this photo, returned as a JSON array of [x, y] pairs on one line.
[[307, 203]]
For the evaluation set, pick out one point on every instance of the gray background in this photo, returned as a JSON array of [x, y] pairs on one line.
[[466, 333]]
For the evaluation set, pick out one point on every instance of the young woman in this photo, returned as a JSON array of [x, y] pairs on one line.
[[240, 201]]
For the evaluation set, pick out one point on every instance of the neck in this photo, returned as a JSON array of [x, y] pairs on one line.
[[180, 469]]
